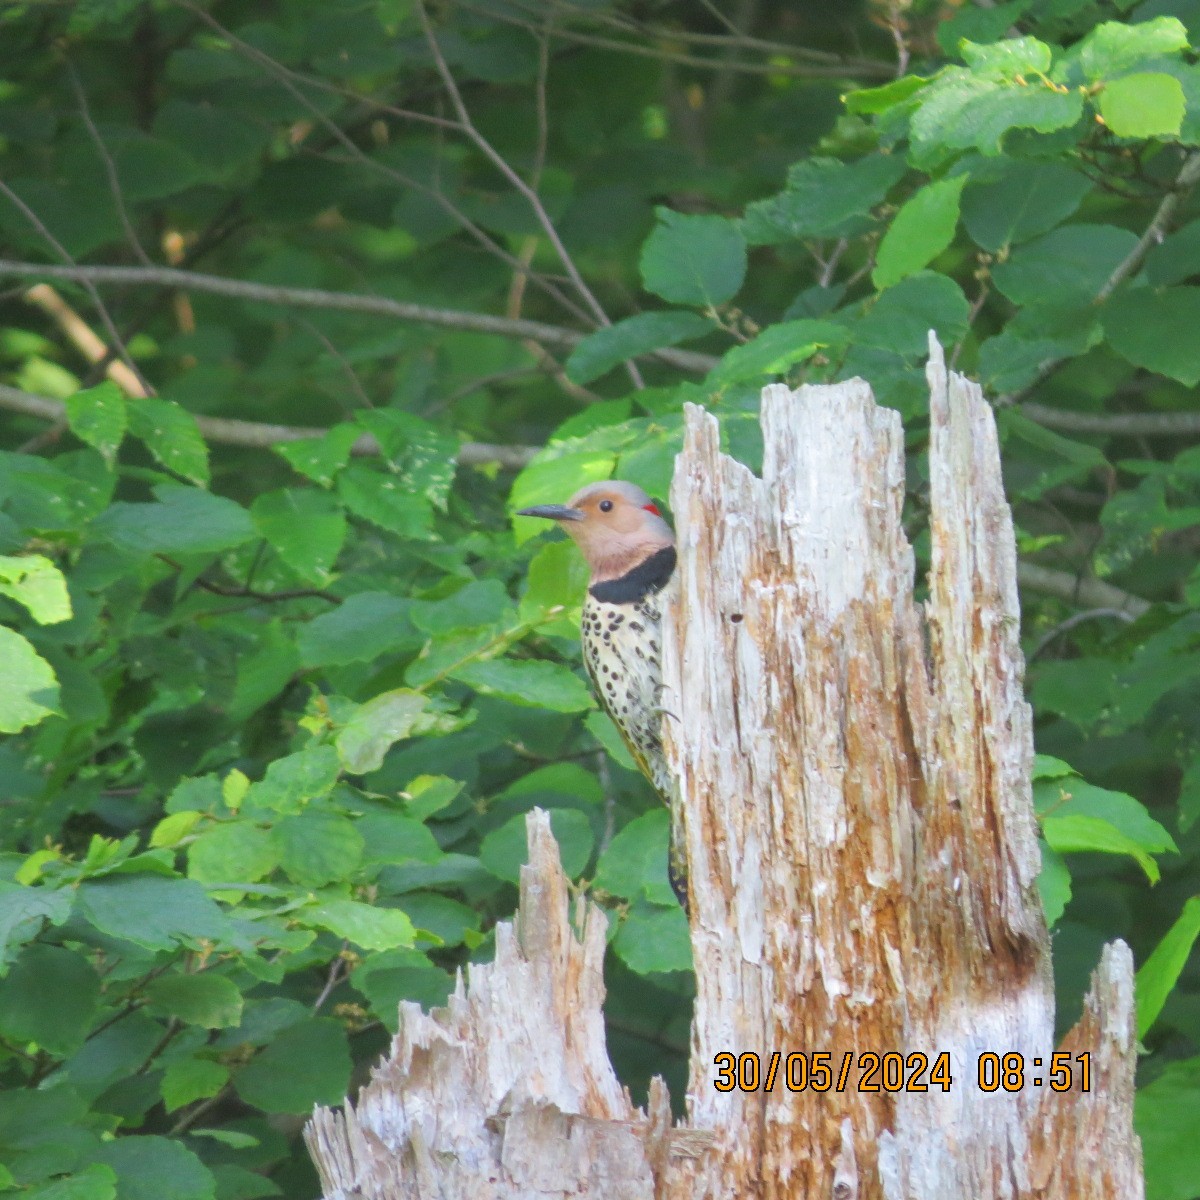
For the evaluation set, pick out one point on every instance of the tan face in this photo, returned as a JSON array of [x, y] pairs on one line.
[[615, 524]]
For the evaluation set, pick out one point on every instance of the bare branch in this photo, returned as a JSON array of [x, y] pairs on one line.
[[1079, 589], [260, 436], [169, 277], [84, 338], [1144, 424]]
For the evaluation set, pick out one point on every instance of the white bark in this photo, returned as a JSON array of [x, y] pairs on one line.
[[863, 858]]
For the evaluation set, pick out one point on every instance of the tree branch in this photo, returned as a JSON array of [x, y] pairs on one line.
[[260, 436], [1079, 589], [1144, 424], [448, 318], [1188, 177]]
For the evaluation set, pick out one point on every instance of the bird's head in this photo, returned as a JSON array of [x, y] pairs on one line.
[[615, 524]]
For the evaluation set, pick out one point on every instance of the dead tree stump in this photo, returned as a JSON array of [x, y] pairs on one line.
[[864, 861]]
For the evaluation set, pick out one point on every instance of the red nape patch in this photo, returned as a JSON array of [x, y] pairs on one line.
[[652, 509]]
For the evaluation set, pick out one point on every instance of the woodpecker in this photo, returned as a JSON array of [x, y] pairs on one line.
[[630, 553]]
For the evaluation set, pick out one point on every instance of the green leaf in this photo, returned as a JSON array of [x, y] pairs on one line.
[[422, 455], [94, 1182], [384, 499], [292, 781], [392, 838], [171, 434], [317, 848], [171, 830], [23, 910], [1155, 330], [1073, 834], [1068, 266], [50, 998], [188, 1079], [305, 528], [365, 925], [1046, 766], [634, 864], [429, 794], [1115, 47], [960, 110], [1054, 884], [1010, 57], [1145, 105], [390, 976], [365, 626], [824, 198], [611, 345], [654, 938], [1023, 200], [205, 999], [1176, 257], [504, 851], [157, 913], [1077, 797], [888, 95], [1160, 972], [919, 232], [775, 351], [34, 581], [149, 1168], [232, 852], [901, 317], [534, 682], [306, 1064], [696, 260], [1164, 1117], [320, 459], [98, 416], [556, 579], [601, 727], [28, 685], [376, 726], [182, 521], [480, 602]]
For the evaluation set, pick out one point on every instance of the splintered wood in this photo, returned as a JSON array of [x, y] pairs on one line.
[[863, 858]]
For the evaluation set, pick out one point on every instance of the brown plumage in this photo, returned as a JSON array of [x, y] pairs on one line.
[[630, 553]]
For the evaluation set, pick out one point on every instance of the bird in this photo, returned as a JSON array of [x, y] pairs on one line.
[[630, 553]]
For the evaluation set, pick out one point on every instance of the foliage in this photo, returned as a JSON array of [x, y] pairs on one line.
[[279, 674]]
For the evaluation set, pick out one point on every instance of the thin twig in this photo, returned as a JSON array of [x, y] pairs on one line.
[[845, 69], [1090, 614], [506, 169], [89, 287], [340, 136], [337, 974], [1189, 175], [110, 167]]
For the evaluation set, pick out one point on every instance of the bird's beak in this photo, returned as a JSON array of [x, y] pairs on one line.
[[552, 512]]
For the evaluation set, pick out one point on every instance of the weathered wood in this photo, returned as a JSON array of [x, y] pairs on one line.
[[863, 858]]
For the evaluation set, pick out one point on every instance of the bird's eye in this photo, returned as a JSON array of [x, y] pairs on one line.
[[606, 506]]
